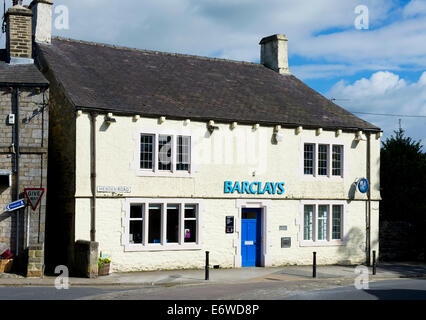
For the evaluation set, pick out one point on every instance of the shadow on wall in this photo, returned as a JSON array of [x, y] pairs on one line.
[[354, 246], [352, 191]]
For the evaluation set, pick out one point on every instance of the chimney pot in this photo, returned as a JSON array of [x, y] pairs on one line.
[[274, 53], [42, 20]]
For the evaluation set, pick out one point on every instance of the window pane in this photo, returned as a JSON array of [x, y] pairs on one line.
[[249, 215], [322, 159], [154, 227], [136, 211], [172, 224], [322, 222], [337, 160], [308, 222], [164, 152], [183, 153], [190, 230], [337, 223], [136, 231], [309, 159], [190, 211], [190, 223], [147, 151]]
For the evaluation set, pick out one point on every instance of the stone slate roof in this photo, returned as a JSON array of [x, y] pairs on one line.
[[27, 75], [129, 81]]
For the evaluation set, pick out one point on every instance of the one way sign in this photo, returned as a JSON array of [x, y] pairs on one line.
[[34, 196]]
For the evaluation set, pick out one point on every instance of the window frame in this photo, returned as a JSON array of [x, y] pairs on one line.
[[137, 219], [155, 171], [189, 154], [329, 241], [163, 245], [342, 159], [154, 159], [330, 144]]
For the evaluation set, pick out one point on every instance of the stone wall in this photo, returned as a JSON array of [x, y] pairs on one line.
[[33, 138], [61, 177], [396, 241]]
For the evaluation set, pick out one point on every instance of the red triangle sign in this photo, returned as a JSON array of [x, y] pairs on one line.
[[34, 196]]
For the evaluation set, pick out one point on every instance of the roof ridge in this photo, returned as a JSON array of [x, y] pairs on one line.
[[92, 43]]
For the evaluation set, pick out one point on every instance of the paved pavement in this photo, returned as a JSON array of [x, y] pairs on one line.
[[242, 275]]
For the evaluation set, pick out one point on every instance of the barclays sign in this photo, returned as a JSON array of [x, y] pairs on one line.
[[246, 187]]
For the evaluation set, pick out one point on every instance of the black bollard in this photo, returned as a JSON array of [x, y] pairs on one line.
[[374, 262], [314, 267], [207, 265]]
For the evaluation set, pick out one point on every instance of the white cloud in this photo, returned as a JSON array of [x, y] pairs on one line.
[[415, 8], [317, 29], [385, 92]]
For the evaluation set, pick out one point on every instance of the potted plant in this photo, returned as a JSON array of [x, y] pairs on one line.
[[103, 266]]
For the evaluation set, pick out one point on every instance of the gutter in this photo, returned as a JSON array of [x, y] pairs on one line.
[[225, 121], [24, 85], [15, 144], [368, 225]]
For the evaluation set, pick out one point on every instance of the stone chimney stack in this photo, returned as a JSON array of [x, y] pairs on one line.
[[19, 34], [42, 20], [274, 53]]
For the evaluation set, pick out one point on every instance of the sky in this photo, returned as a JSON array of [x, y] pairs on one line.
[[367, 63]]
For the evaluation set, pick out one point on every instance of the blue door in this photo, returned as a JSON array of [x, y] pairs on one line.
[[251, 237]]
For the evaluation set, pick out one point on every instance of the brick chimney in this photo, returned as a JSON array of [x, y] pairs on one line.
[[18, 34], [274, 53], [42, 20]]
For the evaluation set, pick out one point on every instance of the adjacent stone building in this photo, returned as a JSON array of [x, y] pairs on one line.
[[23, 143]]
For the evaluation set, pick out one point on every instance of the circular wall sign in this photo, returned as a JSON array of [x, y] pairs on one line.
[[363, 185]]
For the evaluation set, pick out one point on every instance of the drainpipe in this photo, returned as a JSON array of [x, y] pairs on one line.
[[93, 178], [17, 156], [368, 229]]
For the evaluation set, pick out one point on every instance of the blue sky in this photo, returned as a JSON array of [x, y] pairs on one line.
[[381, 69]]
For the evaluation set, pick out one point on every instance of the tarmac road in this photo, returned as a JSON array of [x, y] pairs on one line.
[[401, 289], [407, 289]]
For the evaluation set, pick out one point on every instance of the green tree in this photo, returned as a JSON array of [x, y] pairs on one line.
[[403, 185]]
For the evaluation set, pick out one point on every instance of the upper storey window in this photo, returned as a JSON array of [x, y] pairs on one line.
[[164, 154], [323, 160]]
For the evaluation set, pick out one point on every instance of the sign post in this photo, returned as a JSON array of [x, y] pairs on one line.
[[34, 196]]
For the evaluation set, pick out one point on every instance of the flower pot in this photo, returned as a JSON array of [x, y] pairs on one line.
[[6, 265], [104, 270]]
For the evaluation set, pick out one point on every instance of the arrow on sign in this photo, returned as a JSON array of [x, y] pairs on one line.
[[34, 196], [15, 205]]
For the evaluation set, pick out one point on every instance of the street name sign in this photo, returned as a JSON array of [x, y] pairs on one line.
[[15, 205]]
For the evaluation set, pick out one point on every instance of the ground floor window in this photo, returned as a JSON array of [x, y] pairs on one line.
[[154, 224], [322, 222]]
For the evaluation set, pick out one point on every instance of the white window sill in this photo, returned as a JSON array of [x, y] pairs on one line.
[[321, 243], [159, 247], [309, 177], [177, 174]]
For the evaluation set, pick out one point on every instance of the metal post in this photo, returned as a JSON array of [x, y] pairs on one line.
[[314, 268], [28, 228], [374, 262], [207, 265]]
